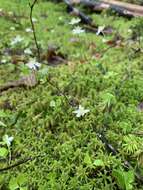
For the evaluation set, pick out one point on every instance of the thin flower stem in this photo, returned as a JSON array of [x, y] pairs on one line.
[[33, 28], [9, 151]]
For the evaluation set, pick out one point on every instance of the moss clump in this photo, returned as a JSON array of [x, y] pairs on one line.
[[66, 151]]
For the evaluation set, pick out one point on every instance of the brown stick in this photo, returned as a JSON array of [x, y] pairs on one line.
[[20, 162], [125, 9]]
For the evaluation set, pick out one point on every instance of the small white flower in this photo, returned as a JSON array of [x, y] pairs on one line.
[[10, 13], [16, 40], [100, 30], [8, 140], [129, 31], [33, 64], [52, 31], [81, 111], [52, 103], [104, 40], [74, 21], [1, 9], [3, 61], [12, 28], [60, 18], [78, 30], [28, 51], [34, 19], [28, 30]]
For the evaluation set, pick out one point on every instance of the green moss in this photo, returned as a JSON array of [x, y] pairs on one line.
[[111, 87]]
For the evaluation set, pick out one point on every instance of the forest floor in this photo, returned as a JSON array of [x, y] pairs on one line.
[[76, 122]]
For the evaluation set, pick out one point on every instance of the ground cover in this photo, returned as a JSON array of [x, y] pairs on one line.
[[59, 128]]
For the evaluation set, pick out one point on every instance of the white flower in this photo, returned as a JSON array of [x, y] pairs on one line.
[[34, 19], [60, 18], [52, 103], [28, 51], [52, 31], [104, 40], [28, 30], [33, 64], [16, 40], [3, 61], [129, 31], [78, 30], [81, 111], [1, 9], [74, 21], [10, 13], [12, 28], [7, 140], [100, 30]]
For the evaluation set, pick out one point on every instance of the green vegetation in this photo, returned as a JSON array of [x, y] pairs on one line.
[[40, 124]]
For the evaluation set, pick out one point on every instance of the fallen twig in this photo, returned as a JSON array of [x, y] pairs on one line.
[[124, 9], [74, 11], [20, 162]]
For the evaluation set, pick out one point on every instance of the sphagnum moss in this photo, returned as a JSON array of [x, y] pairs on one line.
[[65, 150]]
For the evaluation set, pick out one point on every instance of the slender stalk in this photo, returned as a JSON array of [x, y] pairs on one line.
[[22, 161], [33, 28]]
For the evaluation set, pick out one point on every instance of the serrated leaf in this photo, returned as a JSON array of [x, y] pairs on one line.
[[23, 188], [98, 162], [13, 185], [3, 114], [124, 179], [21, 179], [3, 152], [87, 159]]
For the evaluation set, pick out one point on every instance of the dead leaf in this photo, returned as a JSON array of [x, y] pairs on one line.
[[53, 57]]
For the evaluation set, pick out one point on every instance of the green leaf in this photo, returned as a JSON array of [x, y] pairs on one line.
[[98, 162], [13, 184], [108, 99], [3, 152], [87, 160], [2, 124], [21, 179], [3, 114], [124, 179], [23, 188], [24, 70], [129, 179], [120, 178]]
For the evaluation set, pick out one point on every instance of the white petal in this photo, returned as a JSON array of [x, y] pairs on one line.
[[33, 64], [34, 19], [12, 28], [81, 111], [78, 30], [52, 103], [28, 30], [28, 51], [100, 30], [10, 139], [16, 40], [74, 21]]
